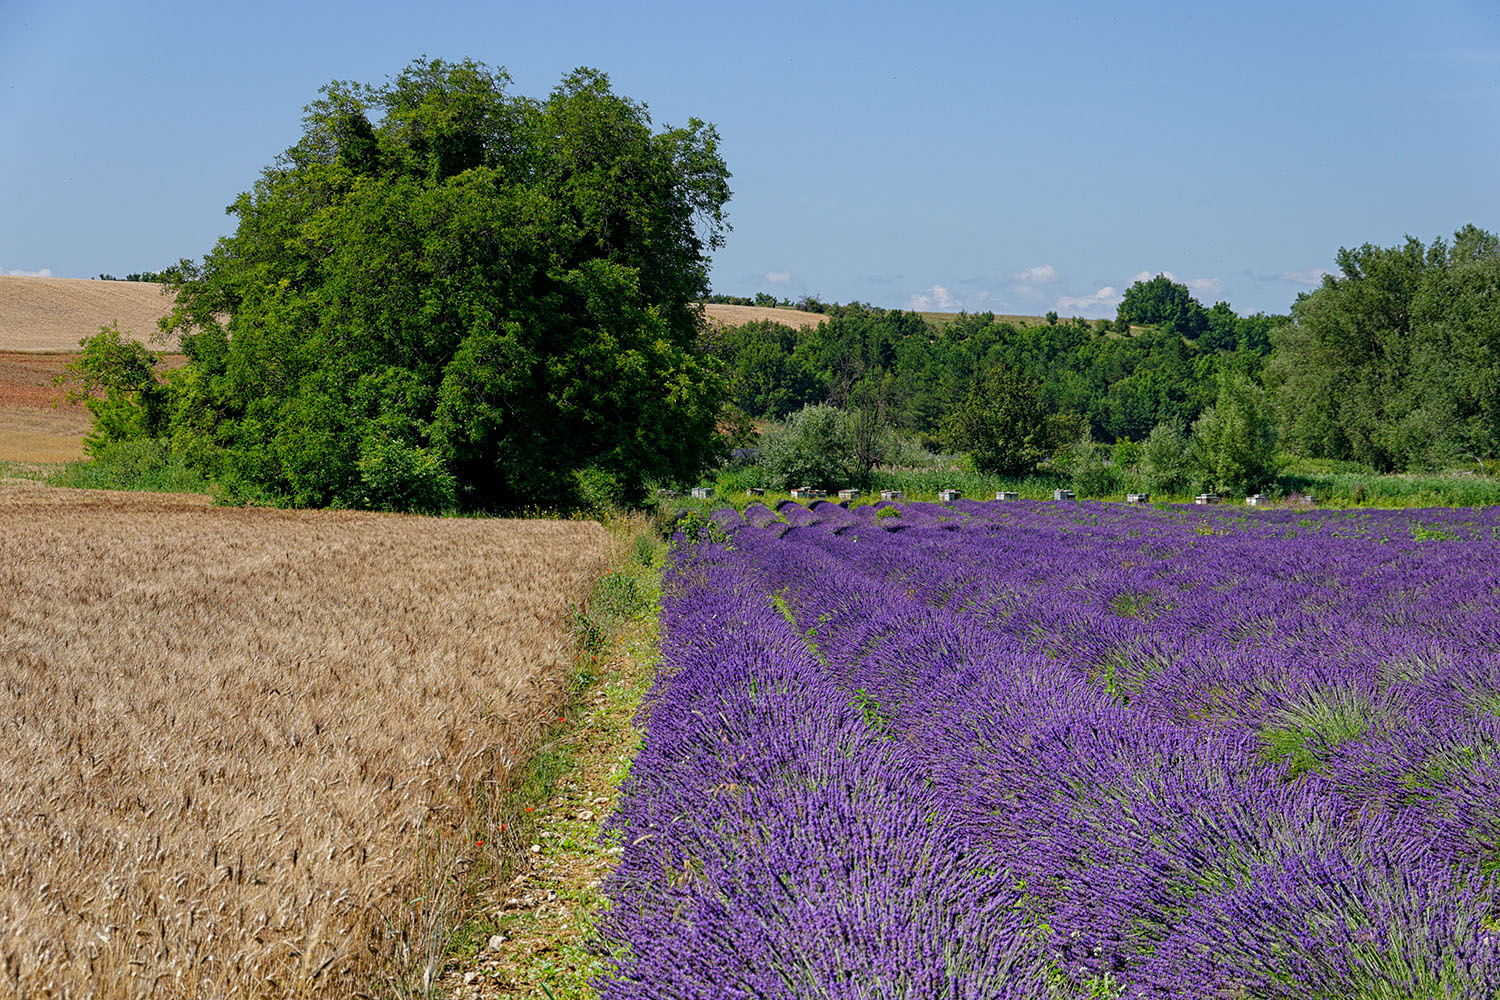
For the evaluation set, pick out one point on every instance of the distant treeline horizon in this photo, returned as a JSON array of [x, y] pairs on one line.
[[1393, 362]]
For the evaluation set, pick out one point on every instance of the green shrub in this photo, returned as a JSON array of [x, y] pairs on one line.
[[397, 476], [140, 464], [1234, 441], [813, 448], [1166, 461], [1088, 469], [596, 489]]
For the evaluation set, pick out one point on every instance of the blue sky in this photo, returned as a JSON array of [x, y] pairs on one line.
[[1014, 157]]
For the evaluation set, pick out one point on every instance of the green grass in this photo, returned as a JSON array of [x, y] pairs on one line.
[[144, 465], [1344, 484], [1331, 484], [616, 646], [1323, 720], [35, 471]]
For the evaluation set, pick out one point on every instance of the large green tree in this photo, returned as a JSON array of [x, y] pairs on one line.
[[1165, 303], [1002, 423], [1395, 360], [442, 279]]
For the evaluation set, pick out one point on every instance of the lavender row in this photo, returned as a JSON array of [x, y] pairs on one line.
[[988, 750]]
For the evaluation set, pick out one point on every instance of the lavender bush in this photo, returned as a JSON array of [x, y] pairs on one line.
[[1069, 750]]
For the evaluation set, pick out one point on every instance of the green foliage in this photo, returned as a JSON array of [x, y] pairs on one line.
[[114, 377], [1126, 454], [920, 371], [815, 448], [496, 289], [1394, 362], [398, 476], [1166, 460], [1087, 465], [695, 528], [1002, 423], [1165, 303], [1235, 439], [137, 464]]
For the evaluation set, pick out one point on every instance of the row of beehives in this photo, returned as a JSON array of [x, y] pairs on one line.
[[947, 496]]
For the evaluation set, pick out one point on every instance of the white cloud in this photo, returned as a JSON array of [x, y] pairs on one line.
[[782, 277], [934, 299], [1206, 288], [1106, 298], [1044, 274], [1203, 289], [45, 272], [1308, 276]]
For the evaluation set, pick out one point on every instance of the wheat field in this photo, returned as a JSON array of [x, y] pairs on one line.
[[723, 314], [54, 314], [231, 740]]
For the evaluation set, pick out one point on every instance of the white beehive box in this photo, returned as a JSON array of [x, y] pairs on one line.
[[1205, 499], [755, 491], [892, 495], [848, 494], [1006, 495], [1063, 495], [1137, 498], [948, 496], [1256, 500], [702, 492]]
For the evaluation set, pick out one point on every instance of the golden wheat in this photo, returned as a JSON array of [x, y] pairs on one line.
[[227, 737], [722, 314], [54, 314]]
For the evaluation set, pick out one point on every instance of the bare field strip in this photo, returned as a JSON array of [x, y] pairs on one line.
[[36, 423], [728, 315], [228, 737], [29, 434], [54, 314]]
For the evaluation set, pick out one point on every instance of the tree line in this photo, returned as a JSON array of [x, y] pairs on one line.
[[448, 296], [1393, 362]]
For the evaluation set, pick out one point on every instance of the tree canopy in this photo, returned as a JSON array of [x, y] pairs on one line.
[[1395, 360], [445, 287], [1163, 302]]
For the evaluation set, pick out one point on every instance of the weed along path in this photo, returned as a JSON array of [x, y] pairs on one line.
[[260, 753], [535, 935]]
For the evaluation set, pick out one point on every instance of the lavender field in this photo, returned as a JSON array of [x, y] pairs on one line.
[[1055, 750]]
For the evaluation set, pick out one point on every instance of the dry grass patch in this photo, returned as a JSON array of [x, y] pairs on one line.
[[244, 752], [36, 435], [728, 315], [54, 314], [37, 424]]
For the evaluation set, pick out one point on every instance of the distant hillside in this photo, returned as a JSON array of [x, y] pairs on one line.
[[54, 314], [45, 315], [726, 315], [941, 319]]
